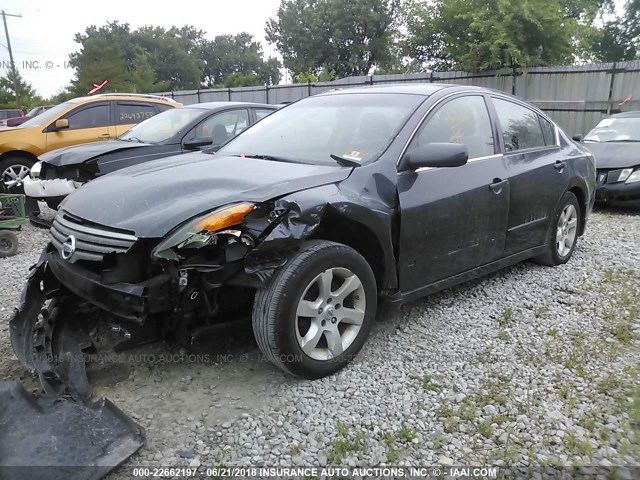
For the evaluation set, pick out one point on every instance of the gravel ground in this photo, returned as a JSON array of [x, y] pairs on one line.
[[530, 366]]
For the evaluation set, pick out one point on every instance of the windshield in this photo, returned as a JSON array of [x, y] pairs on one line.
[[163, 126], [48, 116], [616, 129], [356, 128]]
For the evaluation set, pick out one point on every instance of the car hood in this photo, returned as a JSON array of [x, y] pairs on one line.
[[615, 154], [77, 154], [152, 198]]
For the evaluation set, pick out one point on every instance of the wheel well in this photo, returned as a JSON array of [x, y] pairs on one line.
[[19, 153], [582, 200], [357, 236]]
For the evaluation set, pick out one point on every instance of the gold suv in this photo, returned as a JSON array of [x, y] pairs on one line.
[[81, 120]]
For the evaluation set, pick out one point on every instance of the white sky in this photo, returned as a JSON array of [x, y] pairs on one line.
[[46, 30], [47, 27]]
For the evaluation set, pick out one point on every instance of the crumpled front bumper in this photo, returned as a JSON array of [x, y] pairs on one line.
[[54, 188]]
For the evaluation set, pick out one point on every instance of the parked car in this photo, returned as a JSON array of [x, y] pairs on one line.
[[81, 120], [7, 113], [329, 211], [14, 122], [62, 171], [615, 142]]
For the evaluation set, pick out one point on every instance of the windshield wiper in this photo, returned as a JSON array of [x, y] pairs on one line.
[[345, 162], [267, 157], [620, 141], [132, 139]]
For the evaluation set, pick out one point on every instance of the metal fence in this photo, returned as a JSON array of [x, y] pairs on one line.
[[577, 97]]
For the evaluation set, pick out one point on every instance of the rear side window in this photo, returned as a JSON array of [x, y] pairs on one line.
[[520, 126], [133, 112], [548, 132], [461, 120], [163, 106], [262, 112], [89, 117]]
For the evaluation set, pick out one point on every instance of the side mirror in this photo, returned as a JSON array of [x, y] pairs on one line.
[[435, 155], [61, 124], [578, 138], [197, 142]]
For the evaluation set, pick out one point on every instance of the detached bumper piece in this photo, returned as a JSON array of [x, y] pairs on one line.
[[60, 439]]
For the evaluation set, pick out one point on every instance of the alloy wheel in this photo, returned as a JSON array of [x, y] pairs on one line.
[[14, 175], [330, 313], [567, 230]]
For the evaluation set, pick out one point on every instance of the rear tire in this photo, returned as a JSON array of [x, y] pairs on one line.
[[317, 312], [8, 244], [13, 170], [563, 232]]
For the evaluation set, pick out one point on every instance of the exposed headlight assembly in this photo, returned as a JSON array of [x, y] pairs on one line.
[[202, 231], [633, 177]]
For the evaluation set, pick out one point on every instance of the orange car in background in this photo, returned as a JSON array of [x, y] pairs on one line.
[[80, 120]]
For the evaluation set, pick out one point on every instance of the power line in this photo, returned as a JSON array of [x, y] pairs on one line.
[[13, 65]]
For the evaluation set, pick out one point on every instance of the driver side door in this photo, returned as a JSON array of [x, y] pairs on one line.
[[453, 219]]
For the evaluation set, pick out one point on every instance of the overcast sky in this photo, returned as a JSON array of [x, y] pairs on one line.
[[46, 30]]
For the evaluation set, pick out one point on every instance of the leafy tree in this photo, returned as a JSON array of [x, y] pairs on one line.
[[237, 60], [28, 96], [348, 38], [489, 34]]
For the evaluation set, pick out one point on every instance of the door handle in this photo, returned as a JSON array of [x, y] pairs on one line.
[[105, 135], [496, 186], [560, 165]]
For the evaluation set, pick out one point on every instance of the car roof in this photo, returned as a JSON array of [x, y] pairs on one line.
[[123, 96], [425, 89], [633, 114], [220, 105]]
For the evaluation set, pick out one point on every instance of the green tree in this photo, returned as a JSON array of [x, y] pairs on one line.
[[237, 60], [28, 96], [348, 38], [490, 34]]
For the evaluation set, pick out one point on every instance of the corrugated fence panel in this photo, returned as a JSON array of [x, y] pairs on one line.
[[577, 97]]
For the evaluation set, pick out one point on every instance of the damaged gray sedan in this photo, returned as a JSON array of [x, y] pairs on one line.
[[329, 212]]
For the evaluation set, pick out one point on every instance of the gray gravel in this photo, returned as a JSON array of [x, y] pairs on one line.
[[530, 366]]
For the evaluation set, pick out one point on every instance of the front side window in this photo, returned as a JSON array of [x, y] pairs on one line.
[[89, 117], [357, 127], [222, 127], [461, 120], [520, 126]]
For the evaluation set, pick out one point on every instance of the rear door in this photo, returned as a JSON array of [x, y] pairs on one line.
[[538, 172], [130, 113], [87, 123], [453, 219]]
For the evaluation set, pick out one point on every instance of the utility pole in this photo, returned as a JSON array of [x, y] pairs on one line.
[[13, 65]]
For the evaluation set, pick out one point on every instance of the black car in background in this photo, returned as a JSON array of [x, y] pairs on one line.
[[615, 142], [328, 212], [175, 131]]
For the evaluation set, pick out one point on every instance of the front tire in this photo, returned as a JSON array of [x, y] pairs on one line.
[[563, 234], [317, 312]]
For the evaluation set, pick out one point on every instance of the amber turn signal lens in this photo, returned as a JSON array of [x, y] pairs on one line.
[[225, 218]]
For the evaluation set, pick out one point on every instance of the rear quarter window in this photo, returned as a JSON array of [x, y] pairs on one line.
[[133, 112]]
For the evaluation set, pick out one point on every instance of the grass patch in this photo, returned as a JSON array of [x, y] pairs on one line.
[[504, 336], [485, 429], [429, 384]]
